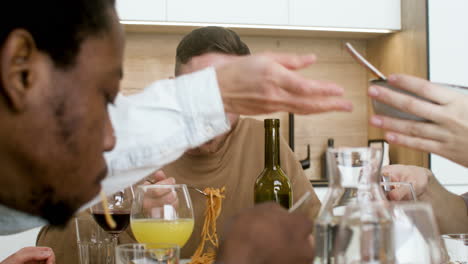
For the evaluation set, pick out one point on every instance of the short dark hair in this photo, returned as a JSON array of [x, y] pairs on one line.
[[209, 39], [57, 26]]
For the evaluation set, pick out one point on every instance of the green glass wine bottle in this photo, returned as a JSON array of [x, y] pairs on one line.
[[272, 184]]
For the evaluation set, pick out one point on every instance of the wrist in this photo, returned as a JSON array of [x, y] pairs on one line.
[[433, 191]]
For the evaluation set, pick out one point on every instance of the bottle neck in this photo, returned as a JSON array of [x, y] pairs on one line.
[[272, 148]]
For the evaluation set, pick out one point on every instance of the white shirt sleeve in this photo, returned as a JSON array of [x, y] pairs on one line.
[[156, 126]]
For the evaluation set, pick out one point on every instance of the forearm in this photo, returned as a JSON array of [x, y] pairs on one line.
[[450, 209]]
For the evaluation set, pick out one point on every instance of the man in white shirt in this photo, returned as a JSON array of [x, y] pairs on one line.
[[61, 65]]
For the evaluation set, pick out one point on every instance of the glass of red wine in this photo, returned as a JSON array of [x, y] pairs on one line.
[[119, 205]]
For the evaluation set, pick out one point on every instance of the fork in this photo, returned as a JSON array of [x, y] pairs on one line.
[[198, 190], [188, 186], [304, 198]]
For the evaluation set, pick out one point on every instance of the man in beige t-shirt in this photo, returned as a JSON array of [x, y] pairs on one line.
[[233, 160]]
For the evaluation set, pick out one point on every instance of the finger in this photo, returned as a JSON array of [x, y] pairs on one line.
[[155, 177], [411, 128], [391, 172], [168, 181], [150, 204], [312, 105], [155, 192], [292, 62], [426, 145], [33, 254], [158, 176], [295, 84], [407, 103], [422, 88], [169, 198], [293, 104], [297, 105], [398, 194], [51, 259]]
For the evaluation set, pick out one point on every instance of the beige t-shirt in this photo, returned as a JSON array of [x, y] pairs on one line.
[[235, 165]]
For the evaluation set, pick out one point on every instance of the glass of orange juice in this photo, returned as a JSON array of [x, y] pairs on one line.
[[162, 214]]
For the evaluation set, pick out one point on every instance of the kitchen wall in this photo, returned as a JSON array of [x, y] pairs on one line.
[[150, 56]]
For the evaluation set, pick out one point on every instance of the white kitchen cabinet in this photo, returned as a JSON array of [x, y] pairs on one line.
[[285, 14], [142, 10], [448, 63], [261, 12], [372, 14]]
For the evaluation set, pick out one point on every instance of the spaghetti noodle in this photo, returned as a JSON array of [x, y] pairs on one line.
[[209, 234], [109, 220]]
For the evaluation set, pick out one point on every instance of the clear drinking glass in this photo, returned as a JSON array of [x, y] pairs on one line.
[[416, 234], [95, 246], [159, 253], [354, 178], [162, 214], [457, 247], [365, 235], [405, 189], [387, 233], [119, 205]]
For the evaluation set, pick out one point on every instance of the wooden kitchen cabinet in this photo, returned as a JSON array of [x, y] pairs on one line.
[[142, 10]]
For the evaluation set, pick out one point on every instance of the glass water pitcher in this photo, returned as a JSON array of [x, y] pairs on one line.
[[354, 179]]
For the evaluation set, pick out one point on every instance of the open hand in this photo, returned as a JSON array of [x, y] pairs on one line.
[[155, 199], [266, 83], [419, 177], [446, 135]]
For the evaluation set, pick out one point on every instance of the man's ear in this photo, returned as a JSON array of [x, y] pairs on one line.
[[16, 69]]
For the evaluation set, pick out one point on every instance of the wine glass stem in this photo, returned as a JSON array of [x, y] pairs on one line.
[[115, 242]]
